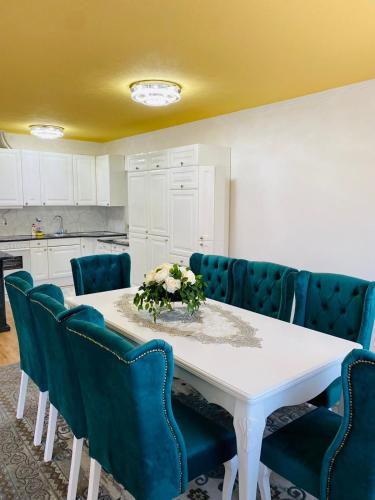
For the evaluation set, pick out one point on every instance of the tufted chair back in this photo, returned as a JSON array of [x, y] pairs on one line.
[[64, 389], [264, 288], [353, 448], [19, 286], [132, 432], [100, 273], [217, 274], [336, 304]]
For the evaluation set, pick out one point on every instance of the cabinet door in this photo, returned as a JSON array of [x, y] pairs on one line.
[[31, 178], [157, 250], [183, 210], [183, 178], [56, 171], [158, 202], [138, 244], [11, 178], [39, 263], [84, 180], [59, 260], [183, 156], [206, 203], [138, 199], [103, 187], [137, 162]]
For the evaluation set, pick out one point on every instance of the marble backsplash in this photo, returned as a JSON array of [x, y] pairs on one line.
[[19, 221]]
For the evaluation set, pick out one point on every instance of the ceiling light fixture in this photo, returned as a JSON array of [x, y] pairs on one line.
[[46, 131], [155, 92]]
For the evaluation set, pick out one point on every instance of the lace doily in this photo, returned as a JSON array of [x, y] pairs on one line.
[[211, 324]]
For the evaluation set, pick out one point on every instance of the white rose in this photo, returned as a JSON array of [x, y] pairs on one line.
[[166, 265], [172, 285], [162, 274], [150, 277], [182, 269], [190, 276]]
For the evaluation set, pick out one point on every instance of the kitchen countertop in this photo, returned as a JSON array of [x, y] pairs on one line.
[[83, 234], [116, 241]]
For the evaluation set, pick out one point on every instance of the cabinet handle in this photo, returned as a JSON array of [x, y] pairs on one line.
[[44, 203], [77, 203], [201, 238], [181, 186], [26, 204], [182, 164], [201, 244], [157, 166], [137, 168]]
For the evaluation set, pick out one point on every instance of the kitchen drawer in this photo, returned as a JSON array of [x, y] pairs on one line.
[[13, 245], [158, 159], [58, 242], [117, 249], [182, 260], [183, 156], [137, 162], [38, 243], [183, 178]]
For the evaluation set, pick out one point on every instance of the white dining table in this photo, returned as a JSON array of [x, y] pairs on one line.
[[287, 365]]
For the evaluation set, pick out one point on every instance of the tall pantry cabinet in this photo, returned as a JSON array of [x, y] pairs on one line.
[[178, 204]]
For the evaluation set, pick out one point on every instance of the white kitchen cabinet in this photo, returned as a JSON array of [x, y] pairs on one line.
[[199, 154], [139, 254], [88, 246], [84, 176], [158, 160], [10, 178], [206, 203], [183, 210], [137, 162], [39, 263], [158, 202], [183, 178], [56, 171], [111, 179], [32, 195], [158, 250], [138, 200], [59, 260]]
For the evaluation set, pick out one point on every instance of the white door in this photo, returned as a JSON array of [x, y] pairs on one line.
[[138, 244], [183, 216], [158, 250], [158, 202], [31, 178], [10, 178], [39, 263], [206, 203], [84, 180], [56, 171], [103, 181], [59, 260], [138, 199]]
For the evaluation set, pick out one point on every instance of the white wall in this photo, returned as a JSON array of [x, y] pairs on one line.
[[303, 178]]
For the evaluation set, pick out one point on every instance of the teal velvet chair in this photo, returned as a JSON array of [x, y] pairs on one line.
[[151, 445], [328, 456], [101, 273], [19, 285], [337, 305], [64, 390], [217, 274], [264, 288]]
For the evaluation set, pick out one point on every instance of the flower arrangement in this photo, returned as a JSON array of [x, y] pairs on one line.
[[170, 283]]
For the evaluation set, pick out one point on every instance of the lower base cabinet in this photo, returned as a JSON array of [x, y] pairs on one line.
[[59, 260]]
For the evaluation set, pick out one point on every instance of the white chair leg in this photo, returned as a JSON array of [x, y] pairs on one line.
[[22, 394], [231, 468], [264, 482], [94, 479], [50, 433], [39, 424], [74, 468]]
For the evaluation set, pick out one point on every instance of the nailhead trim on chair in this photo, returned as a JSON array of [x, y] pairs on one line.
[[16, 287], [164, 384], [46, 308], [350, 424]]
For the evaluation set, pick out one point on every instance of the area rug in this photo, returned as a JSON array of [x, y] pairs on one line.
[[24, 475]]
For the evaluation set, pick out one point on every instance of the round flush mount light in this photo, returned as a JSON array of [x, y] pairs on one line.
[[46, 131], [155, 92]]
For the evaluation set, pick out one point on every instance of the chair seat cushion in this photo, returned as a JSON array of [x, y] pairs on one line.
[[296, 451], [208, 444]]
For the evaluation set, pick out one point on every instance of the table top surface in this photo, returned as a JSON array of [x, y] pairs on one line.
[[284, 355]]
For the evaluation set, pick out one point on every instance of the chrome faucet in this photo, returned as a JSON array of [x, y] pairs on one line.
[[60, 229]]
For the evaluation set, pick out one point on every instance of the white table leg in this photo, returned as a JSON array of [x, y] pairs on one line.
[[94, 480], [264, 482], [22, 394], [74, 468], [231, 468], [39, 424], [50, 433], [249, 423]]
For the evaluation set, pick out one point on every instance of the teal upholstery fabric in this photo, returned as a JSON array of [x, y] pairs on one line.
[[330, 457], [64, 390], [132, 430], [264, 288], [337, 305], [100, 273], [217, 274]]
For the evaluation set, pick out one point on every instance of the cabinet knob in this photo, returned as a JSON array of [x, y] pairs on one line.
[[137, 168], [146, 231], [26, 204], [201, 244], [45, 250], [201, 238], [107, 204], [181, 186], [166, 239], [77, 203], [44, 203], [181, 163], [157, 166]]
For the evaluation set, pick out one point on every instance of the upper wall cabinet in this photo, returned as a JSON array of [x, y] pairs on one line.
[[111, 188], [56, 171], [11, 178], [84, 180], [32, 195], [137, 162]]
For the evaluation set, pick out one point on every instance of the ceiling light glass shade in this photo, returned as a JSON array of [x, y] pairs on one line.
[[46, 131], [155, 93]]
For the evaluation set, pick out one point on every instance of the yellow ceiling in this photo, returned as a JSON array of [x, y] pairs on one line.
[[70, 62]]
